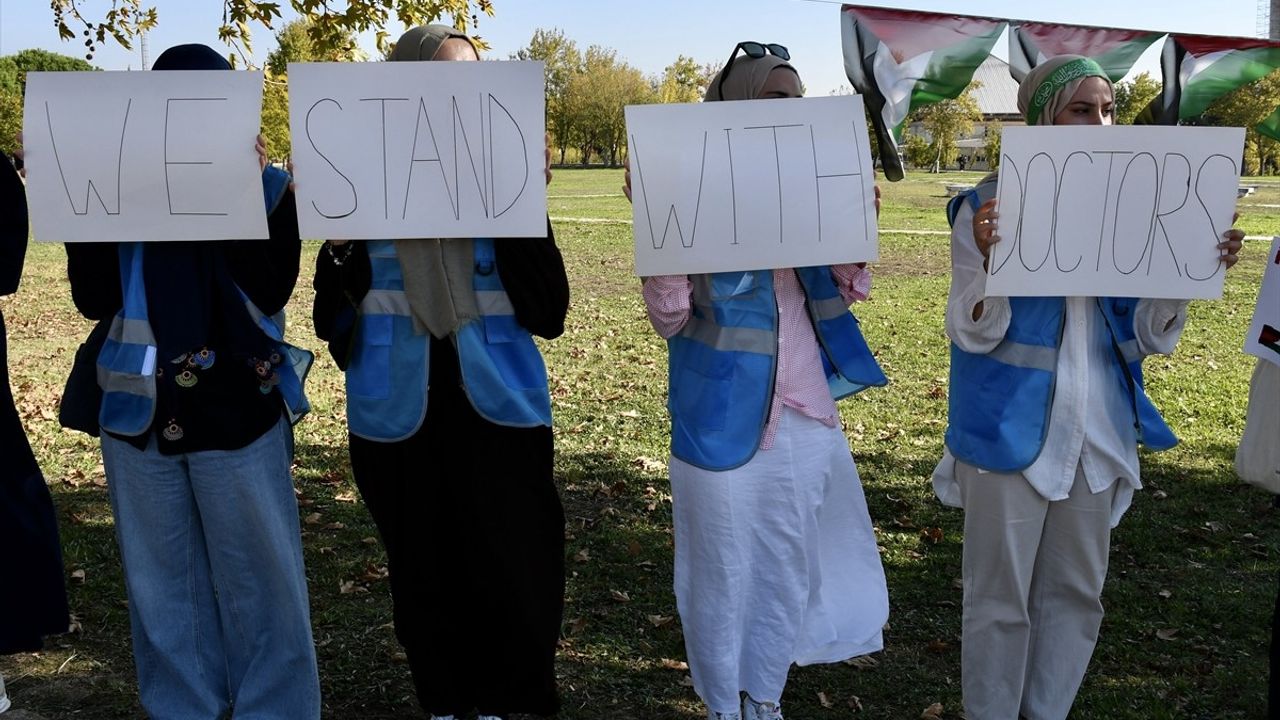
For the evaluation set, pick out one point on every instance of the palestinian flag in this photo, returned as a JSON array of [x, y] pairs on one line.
[[1031, 43], [900, 60], [1199, 69]]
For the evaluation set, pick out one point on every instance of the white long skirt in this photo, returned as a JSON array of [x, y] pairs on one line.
[[775, 563]]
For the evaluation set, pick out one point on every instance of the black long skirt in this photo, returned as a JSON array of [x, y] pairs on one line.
[[474, 531], [33, 596]]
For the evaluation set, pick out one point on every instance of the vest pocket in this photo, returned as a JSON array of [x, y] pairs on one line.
[[369, 374], [701, 401]]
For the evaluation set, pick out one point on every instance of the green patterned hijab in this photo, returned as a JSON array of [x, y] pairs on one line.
[[1050, 86]]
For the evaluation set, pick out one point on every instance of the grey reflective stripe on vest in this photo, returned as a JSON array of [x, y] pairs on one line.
[[725, 339], [494, 302], [141, 385], [1033, 357], [1129, 351], [130, 331], [385, 302], [706, 331], [829, 309]]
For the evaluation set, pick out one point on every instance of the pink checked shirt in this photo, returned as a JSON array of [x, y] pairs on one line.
[[801, 383]]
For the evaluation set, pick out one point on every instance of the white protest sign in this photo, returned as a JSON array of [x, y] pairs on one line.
[[145, 156], [419, 149], [1263, 338], [1114, 211], [750, 185]]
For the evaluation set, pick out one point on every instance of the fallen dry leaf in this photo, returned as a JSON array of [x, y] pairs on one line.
[[933, 712], [1167, 633], [312, 519], [855, 703], [674, 664], [823, 700], [862, 662], [660, 620], [77, 576], [620, 596], [582, 556]]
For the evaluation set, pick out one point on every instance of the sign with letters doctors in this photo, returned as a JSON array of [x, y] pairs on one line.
[[1114, 211]]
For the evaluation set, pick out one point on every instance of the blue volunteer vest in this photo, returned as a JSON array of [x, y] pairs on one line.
[[502, 371], [999, 402], [723, 362], [127, 361]]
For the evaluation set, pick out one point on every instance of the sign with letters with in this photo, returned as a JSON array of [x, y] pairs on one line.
[[1263, 338], [751, 185], [143, 156], [419, 149], [1114, 211]]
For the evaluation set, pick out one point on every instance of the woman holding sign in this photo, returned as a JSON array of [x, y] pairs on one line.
[[1047, 410], [33, 602], [198, 393], [451, 447], [775, 557]]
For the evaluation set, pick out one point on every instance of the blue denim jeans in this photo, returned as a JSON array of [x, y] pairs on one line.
[[212, 557]]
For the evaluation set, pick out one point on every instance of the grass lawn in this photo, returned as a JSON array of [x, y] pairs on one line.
[[1193, 566]]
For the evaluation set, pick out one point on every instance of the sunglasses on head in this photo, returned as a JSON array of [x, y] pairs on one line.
[[755, 51]]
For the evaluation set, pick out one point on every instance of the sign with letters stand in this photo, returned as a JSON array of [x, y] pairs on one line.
[[751, 185], [419, 149], [143, 156], [1114, 211]]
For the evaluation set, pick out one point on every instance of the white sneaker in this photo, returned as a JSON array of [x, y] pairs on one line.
[[713, 715], [752, 710], [4, 699]]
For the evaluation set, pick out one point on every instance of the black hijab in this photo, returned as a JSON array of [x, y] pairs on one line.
[[192, 299]]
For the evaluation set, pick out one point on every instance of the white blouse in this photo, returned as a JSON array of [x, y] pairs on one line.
[[1091, 421]]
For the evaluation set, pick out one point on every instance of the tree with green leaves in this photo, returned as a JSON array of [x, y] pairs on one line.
[[294, 43], [562, 60], [945, 123], [1245, 107], [1132, 96], [991, 143], [333, 27], [13, 85], [683, 81], [596, 97]]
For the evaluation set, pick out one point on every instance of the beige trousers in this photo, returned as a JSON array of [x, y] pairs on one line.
[[1033, 573]]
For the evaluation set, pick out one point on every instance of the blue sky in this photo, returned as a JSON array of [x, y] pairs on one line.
[[651, 33]]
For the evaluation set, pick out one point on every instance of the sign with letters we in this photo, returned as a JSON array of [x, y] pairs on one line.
[[751, 185], [143, 156], [1114, 211], [419, 149]]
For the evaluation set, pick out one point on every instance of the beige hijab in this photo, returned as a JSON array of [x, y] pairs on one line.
[[1083, 69], [745, 79], [437, 272]]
